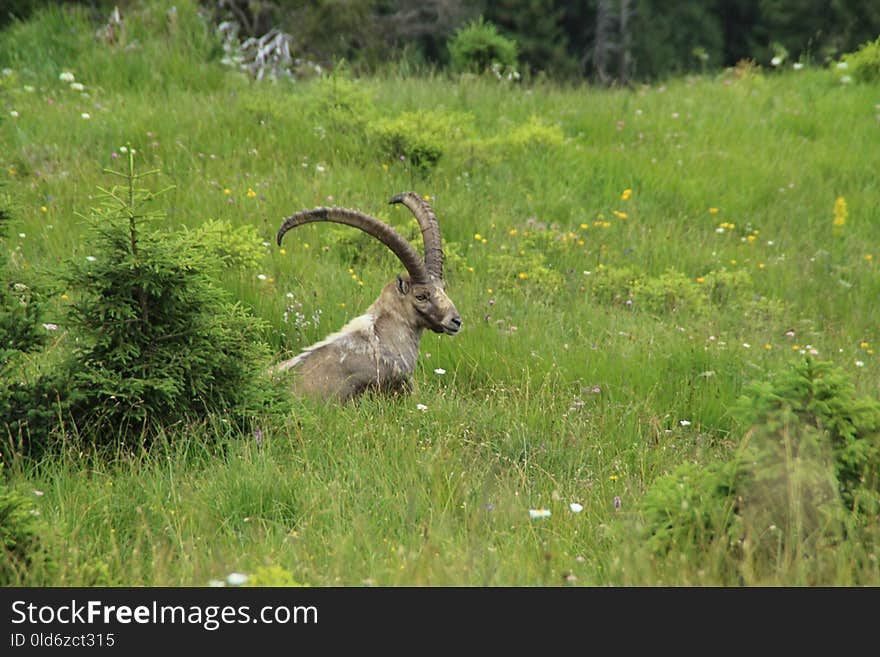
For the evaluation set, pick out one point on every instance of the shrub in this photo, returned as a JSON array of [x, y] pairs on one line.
[[613, 285], [693, 507], [671, 292], [421, 137], [533, 133], [818, 396], [478, 46], [864, 64], [340, 104], [272, 576], [21, 331], [226, 246], [20, 529], [20, 308], [805, 477], [158, 341]]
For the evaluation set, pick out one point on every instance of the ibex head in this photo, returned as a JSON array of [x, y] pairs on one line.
[[428, 295]]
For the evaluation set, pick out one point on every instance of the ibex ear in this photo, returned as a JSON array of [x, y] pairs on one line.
[[402, 285]]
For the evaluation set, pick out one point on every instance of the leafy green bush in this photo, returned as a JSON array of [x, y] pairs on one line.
[[272, 576], [864, 63], [227, 246], [20, 307], [21, 331], [807, 474], [340, 104], [421, 137], [477, 46], [533, 133], [819, 396], [673, 292], [20, 543], [613, 286], [157, 340], [670, 292], [727, 286], [694, 507], [160, 342]]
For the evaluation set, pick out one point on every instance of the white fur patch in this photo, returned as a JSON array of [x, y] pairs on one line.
[[361, 326]]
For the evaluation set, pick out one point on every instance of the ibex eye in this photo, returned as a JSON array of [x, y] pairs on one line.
[[422, 297]]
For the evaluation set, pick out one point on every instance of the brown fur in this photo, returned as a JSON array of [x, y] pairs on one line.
[[377, 350]]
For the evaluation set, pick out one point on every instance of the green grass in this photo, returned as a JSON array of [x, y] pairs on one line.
[[380, 491]]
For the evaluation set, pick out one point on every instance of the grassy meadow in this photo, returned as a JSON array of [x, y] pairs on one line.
[[626, 262]]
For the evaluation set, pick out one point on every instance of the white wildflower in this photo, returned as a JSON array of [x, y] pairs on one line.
[[236, 579]]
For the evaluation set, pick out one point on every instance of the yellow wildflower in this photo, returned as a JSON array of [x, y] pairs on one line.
[[700, 279], [251, 193], [522, 275], [713, 210], [840, 212], [626, 194], [620, 215]]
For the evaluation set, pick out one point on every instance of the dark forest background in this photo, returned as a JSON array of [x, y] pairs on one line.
[[604, 40]]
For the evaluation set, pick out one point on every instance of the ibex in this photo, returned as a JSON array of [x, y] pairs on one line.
[[378, 350]]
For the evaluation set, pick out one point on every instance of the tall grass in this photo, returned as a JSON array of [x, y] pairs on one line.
[[550, 396]]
